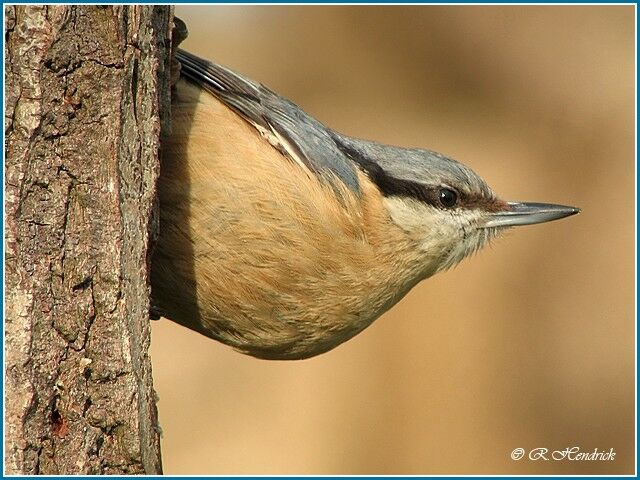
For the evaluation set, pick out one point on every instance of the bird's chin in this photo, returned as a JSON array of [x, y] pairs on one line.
[[473, 240]]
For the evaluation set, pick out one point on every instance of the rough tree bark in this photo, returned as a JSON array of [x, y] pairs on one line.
[[86, 89]]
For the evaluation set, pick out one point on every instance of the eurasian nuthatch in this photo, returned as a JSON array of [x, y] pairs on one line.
[[283, 238]]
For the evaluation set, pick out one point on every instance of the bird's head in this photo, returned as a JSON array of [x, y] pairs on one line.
[[446, 208]]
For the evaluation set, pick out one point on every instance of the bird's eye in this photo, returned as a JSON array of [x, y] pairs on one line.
[[448, 198]]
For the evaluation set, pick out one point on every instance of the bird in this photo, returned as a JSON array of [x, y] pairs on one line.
[[283, 238]]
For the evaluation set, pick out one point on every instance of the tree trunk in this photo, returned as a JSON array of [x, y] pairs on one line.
[[86, 99]]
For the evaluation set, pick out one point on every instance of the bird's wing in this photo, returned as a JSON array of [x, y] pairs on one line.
[[289, 129]]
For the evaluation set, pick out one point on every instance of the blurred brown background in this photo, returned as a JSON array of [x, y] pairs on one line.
[[528, 344]]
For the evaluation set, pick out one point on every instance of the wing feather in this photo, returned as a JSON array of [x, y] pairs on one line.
[[283, 124]]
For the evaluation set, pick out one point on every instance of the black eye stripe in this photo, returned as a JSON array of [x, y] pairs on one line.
[[431, 194], [393, 186]]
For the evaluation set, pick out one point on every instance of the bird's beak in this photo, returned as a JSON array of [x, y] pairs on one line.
[[526, 213]]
